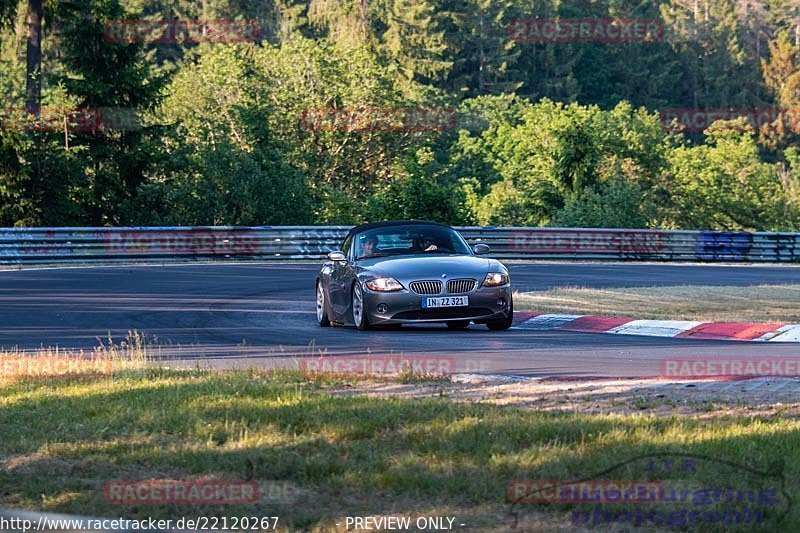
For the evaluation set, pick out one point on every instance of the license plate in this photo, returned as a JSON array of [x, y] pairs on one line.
[[445, 301]]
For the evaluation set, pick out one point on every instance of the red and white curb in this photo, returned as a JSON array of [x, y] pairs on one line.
[[684, 329]]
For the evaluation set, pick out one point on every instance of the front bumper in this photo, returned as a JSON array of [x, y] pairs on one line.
[[405, 307]]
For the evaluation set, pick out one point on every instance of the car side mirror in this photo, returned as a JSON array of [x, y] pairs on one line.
[[481, 249], [337, 256]]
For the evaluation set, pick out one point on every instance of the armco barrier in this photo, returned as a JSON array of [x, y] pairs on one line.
[[77, 245]]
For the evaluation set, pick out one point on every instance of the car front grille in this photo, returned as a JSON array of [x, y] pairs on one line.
[[455, 286], [426, 287]]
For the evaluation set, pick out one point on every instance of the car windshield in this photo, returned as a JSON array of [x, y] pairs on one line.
[[409, 240]]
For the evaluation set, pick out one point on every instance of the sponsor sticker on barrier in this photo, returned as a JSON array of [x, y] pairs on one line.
[[724, 245]]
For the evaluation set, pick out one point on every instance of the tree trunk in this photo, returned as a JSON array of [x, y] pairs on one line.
[[797, 33], [33, 73]]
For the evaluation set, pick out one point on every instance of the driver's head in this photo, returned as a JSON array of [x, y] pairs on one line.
[[369, 244]]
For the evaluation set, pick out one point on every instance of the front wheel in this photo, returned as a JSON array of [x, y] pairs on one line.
[[503, 323], [322, 307], [359, 316]]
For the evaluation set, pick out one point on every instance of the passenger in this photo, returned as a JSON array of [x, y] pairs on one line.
[[424, 244]]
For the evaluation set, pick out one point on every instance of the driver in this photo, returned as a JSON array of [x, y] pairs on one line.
[[369, 246]]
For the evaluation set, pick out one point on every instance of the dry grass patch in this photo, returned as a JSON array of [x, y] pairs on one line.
[[358, 454]]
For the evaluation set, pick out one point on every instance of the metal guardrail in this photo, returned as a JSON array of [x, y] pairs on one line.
[[166, 244]]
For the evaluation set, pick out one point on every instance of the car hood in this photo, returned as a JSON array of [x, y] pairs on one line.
[[428, 267]]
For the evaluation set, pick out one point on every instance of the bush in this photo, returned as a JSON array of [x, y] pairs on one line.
[[418, 194], [615, 204]]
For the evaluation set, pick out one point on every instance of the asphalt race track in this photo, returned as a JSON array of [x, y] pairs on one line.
[[260, 314]]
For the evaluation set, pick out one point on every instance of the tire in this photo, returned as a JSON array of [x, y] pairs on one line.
[[461, 324], [322, 307], [503, 324], [360, 318]]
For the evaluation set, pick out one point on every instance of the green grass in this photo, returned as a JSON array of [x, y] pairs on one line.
[[761, 303], [62, 440]]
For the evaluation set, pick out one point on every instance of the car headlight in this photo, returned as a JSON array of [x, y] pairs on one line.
[[384, 285], [495, 279]]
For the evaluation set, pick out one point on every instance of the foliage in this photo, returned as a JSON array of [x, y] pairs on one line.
[[331, 106], [550, 154], [418, 193], [723, 185], [614, 204], [307, 123], [223, 164], [57, 172]]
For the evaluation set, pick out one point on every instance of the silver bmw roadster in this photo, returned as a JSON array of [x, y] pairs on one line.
[[410, 272]]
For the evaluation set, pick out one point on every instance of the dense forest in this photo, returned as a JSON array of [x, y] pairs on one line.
[[501, 112]]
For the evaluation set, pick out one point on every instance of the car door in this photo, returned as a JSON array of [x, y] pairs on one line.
[[346, 273], [339, 296]]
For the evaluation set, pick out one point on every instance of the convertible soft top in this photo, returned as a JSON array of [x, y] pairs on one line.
[[375, 225]]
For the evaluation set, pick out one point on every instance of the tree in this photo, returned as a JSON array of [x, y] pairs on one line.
[[707, 35], [415, 39], [70, 173], [614, 204], [224, 165], [485, 55], [550, 154], [33, 76], [419, 192], [344, 119], [724, 185], [782, 75], [33, 72]]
